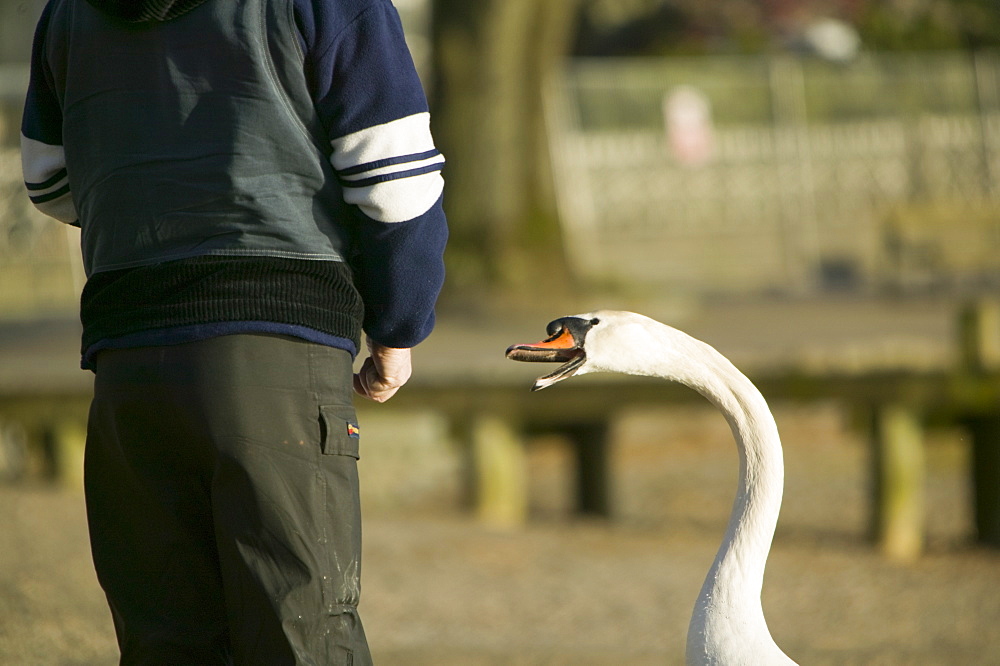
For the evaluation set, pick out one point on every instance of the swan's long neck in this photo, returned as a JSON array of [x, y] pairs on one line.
[[728, 623]]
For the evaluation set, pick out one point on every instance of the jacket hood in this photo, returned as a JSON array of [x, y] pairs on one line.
[[145, 11]]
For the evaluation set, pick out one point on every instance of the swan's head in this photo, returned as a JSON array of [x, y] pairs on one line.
[[602, 341]]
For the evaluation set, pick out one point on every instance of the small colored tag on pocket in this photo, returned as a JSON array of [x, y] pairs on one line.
[[353, 431]]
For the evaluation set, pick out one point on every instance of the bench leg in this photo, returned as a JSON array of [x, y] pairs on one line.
[[13, 451], [985, 459], [593, 469], [500, 471], [63, 446], [898, 475]]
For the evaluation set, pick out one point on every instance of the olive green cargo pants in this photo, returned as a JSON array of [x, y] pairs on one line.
[[222, 500]]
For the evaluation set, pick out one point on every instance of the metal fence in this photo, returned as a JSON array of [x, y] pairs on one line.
[[781, 174]]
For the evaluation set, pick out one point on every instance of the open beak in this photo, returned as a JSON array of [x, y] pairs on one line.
[[563, 346]]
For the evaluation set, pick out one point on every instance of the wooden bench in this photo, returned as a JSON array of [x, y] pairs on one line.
[[896, 362], [899, 365]]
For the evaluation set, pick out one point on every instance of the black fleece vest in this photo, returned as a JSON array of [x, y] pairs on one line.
[[192, 137]]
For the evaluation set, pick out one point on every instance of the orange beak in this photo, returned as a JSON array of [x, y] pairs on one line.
[[559, 347], [564, 345]]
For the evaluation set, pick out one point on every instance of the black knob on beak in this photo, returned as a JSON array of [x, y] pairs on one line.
[[576, 326], [555, 327]]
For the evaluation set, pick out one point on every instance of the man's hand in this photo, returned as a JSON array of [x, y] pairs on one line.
[[384, 371]]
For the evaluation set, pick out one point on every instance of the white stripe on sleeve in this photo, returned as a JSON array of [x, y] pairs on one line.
[[391, 171], [45, 177]]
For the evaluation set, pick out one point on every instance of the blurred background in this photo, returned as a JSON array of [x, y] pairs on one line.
[[812, 187]]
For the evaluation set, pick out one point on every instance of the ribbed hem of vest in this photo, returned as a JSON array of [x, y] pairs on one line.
[[318, 295]]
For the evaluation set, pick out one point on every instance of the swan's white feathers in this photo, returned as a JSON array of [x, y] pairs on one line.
[[727, 627]]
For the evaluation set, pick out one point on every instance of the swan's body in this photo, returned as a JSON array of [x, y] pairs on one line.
[[727, 626]]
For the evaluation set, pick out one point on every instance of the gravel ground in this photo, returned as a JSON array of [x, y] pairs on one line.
[[440, 589]]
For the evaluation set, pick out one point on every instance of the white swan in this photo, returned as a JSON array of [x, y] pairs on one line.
[[727, 626]]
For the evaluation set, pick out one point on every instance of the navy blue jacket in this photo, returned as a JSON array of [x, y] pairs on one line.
[[250, 165]]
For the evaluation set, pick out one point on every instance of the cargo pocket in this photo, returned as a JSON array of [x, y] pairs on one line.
[[341, 435]]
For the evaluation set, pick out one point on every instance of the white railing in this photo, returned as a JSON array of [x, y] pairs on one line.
[[884, 172], [807, 175]]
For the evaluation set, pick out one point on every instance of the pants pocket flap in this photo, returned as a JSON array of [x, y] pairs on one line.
[[341, 435]]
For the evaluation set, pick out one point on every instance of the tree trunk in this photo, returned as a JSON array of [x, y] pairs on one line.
[[491, 58]]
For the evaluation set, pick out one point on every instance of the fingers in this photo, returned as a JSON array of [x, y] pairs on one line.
[[359, 385], [383, 372], [370, 384]]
